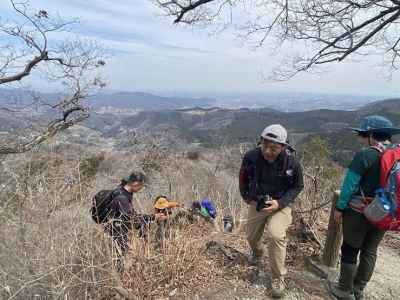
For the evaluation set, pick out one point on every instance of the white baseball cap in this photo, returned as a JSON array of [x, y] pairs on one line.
[[275, 133]]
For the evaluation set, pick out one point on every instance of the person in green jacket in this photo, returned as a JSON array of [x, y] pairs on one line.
[[361, 238]]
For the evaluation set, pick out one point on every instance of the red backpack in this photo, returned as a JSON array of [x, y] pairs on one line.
[[384, 210]]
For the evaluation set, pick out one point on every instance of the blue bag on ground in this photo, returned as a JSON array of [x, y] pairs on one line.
[[210, 207]]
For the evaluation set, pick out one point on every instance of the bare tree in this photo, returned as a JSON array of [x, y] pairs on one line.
[[34, 46], [328, 30]]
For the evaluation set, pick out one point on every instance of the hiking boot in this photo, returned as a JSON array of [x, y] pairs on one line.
[[343, 290], [364, 272], [338, 293], [278, 287], [254, 260]]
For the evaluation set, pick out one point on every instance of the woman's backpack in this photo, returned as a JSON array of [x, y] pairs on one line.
[[384, 210], [100, 209]]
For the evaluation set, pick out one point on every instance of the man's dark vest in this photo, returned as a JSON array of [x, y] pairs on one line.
[[255, 170]]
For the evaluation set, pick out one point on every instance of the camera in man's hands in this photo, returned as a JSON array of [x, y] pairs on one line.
[[262, 202]]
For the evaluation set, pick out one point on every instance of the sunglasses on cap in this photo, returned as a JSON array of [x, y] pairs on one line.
[[271, 135]]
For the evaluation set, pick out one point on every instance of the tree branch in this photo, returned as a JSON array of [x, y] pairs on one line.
[[52, 129], [183, 9], [27, 70], [72, 64], [371, 34], [330, 30]]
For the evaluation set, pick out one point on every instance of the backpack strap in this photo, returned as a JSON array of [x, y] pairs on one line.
[[286, 160], [258, 169], [116, 192], [379, 147]]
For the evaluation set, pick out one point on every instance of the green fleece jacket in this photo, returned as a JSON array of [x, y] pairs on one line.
[[350, 186], [362, 177]]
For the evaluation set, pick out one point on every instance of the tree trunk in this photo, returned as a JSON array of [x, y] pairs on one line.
[[334, 238]]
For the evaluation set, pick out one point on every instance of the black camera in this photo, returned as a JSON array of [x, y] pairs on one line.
[[262, 202]]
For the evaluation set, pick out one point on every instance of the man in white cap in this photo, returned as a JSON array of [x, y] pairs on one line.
[[270, 180]]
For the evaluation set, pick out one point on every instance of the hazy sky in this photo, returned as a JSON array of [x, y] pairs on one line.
[[149, 53]]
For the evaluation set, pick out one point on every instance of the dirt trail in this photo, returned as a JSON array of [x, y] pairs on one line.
[[302, 285], [385, 283]]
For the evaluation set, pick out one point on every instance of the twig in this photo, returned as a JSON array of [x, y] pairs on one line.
[[314, 208], [33, 281]]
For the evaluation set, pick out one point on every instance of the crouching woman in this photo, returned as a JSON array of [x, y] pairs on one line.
[[123, 217]]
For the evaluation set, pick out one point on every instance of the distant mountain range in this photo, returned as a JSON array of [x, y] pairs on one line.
[[295, 101], [125, 102], [132, 102], [215, 126], [146, 101], [241, 125], [107, 102]]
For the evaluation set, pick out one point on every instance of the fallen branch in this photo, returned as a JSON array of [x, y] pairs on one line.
[[314, 208]]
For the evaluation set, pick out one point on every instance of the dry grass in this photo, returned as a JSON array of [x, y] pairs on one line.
[[181, 266]]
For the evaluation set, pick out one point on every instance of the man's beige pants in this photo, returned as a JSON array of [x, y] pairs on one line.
[[277, 225]]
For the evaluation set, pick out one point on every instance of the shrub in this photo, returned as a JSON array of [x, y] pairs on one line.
[[90, 165], [193, 155]]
